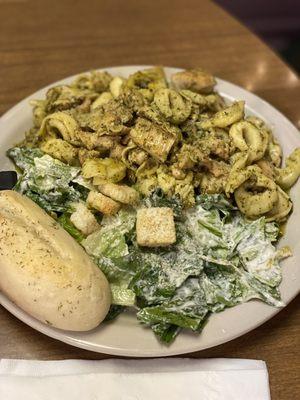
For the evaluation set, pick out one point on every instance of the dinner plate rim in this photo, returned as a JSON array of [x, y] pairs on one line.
[[65, 336]]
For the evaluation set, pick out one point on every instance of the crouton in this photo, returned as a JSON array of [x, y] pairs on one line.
[[102, 203], [84, 220], [122, 193], [155, 227]]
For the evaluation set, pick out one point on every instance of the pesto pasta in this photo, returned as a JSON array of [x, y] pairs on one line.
[[179, 136]]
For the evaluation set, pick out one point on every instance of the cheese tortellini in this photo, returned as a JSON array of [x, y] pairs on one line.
[[182, 137], [174, 107], [287, 176]]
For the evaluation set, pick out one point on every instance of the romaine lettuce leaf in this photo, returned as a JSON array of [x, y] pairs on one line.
[[24, 157], [166, 333], [113, 312], [123, 221], [66, 223], [237, 240], [214, 201], [206, 229], [109, 246], [47, 181], [122, 296], [186, 309], [257, 253], [222, 287], [106, 242], [272, 231], [164, 270], [119, 271]]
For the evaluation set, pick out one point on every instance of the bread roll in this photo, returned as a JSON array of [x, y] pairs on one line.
[[45, 271]]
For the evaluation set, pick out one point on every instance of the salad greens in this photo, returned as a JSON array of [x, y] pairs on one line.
[[219, 260], [66, 223], [47, 181], [122, 296]]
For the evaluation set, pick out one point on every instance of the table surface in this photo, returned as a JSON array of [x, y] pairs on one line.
[[41, 42]]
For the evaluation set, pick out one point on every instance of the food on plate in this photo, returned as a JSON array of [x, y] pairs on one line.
[[122, 193], [155, 227], [197, 80], [177, 196], [102, 203], [44, 271], [83, 219]]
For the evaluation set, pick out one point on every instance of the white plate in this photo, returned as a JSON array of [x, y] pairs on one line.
[[126, 336]]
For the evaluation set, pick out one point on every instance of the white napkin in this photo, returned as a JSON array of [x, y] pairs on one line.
[[157, 379]]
